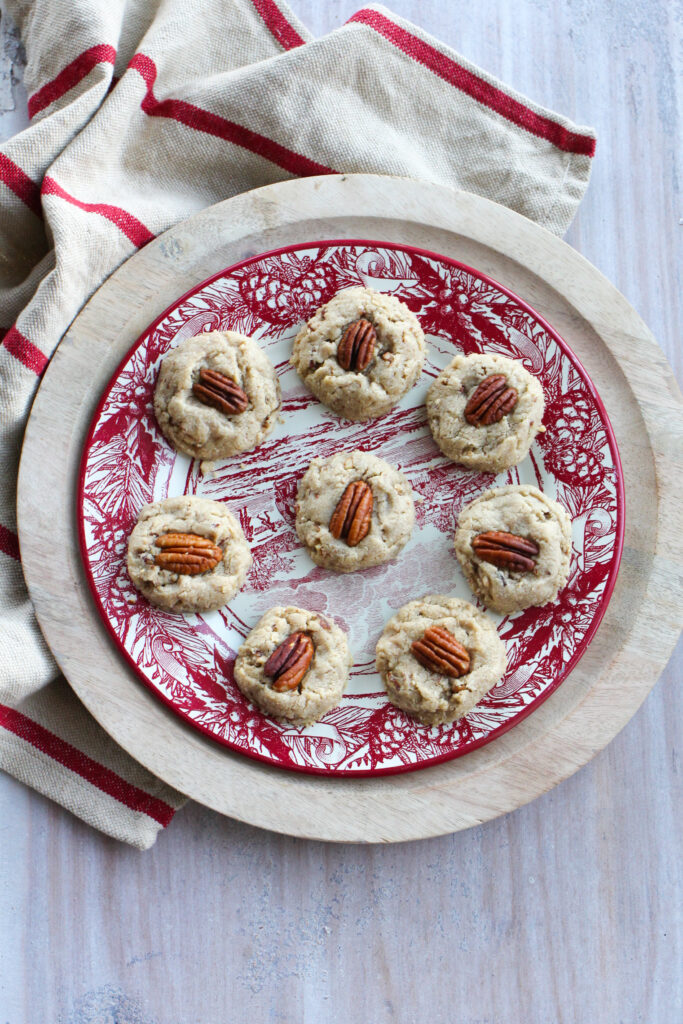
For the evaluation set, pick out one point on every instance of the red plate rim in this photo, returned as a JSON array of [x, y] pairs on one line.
[[609, 585]]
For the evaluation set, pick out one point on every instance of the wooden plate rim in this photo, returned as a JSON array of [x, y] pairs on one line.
[[450, 807]]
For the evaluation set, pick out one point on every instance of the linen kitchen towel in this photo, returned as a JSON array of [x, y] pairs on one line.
[[143, 112]]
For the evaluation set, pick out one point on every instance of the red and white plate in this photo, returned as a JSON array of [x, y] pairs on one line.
[[187, 659]]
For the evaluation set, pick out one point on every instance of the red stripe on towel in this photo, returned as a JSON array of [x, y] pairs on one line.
[[70, 76], [478, 88], [76, 761], [213, 124], [273, 18], [24, 350], [9, 542], [19, 182], [131, 227]]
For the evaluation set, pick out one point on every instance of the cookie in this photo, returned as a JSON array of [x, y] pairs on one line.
[[514, 545], [294, 665], [484, 411], [360, 353], [188, 554], [438, 656], [216, 395], [353, 510]]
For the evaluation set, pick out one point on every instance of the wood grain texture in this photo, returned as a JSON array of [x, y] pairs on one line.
[[640, 626], [567, 910]]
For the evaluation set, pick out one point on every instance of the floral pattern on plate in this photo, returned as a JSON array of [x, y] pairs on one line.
[[187, 659]]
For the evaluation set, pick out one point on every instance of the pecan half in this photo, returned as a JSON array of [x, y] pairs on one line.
[[492, 400], [289, 662], [506, 550], [220, 392], [439, 651], [187, 554], [351, 518], [357, 346]]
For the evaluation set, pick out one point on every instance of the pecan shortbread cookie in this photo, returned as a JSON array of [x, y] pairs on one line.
[[294, 665], [353, 510], [514, 545], [438, 656], [188, 554], [360, 353], [216, 395], [484, 411]]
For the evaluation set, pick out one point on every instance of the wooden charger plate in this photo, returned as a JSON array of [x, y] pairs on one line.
[[635, 383]]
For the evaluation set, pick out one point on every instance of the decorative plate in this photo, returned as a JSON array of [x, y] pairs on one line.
[[187, 659]]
